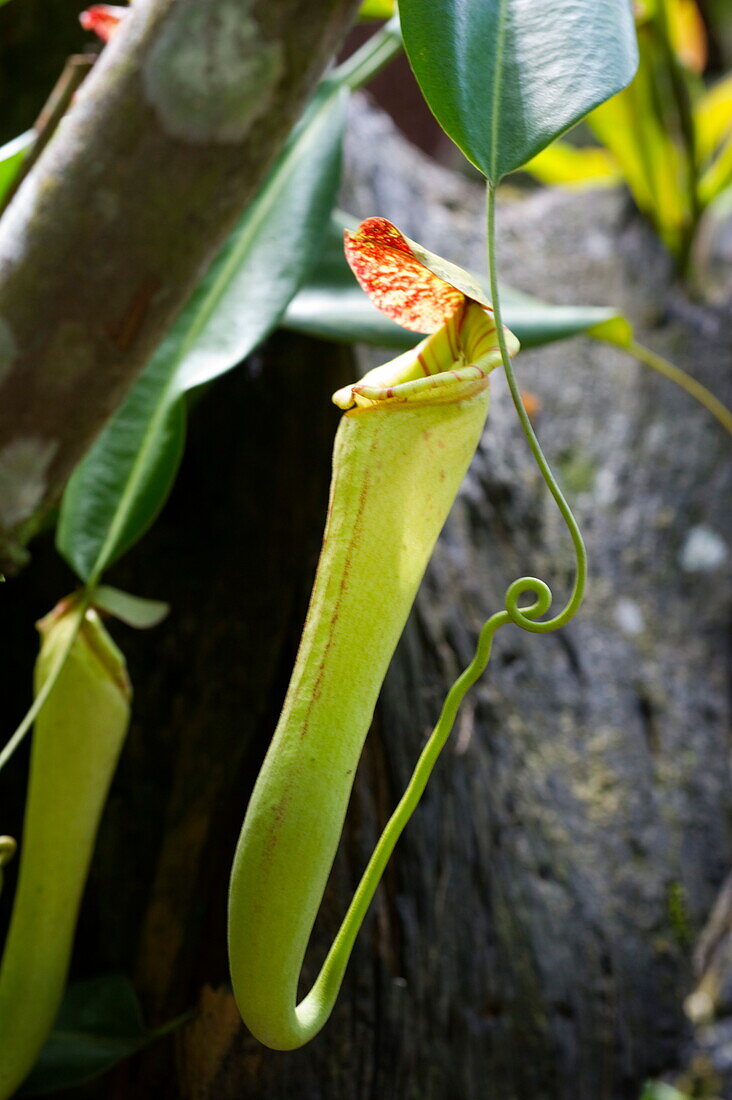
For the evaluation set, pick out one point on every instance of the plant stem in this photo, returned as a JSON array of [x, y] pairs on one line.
[[372, 57], [330, 978], [578, 590], [675, 374]]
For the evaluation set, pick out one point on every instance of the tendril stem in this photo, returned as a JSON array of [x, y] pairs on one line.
[[520, 616], [328, 982]]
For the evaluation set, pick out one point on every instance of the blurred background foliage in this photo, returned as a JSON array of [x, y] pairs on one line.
[[668, 136]]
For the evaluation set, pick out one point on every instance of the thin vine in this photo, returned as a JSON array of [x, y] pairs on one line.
[[523, 616]]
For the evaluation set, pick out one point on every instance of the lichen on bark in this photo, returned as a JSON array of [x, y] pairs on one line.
[[162, 149]]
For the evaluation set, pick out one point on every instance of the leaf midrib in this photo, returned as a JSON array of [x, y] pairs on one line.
[[497, 80]]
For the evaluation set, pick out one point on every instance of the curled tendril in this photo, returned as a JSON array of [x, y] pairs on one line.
[[526, 617]]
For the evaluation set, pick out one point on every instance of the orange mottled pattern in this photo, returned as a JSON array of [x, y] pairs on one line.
[[102, 19], [395, 280]]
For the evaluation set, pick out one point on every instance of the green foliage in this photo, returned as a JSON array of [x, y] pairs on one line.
[[124, 480], [575, 167], [332, 306], [135, 611], [11, 158], [636, 128], [506, 77], [376, 9], [99, 1024], [668, 138], [120, 486]]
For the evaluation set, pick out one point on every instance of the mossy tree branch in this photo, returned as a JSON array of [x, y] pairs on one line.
[[164, 146]]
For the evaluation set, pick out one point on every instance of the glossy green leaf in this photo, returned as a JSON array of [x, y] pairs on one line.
[[117, 490], [332, 305], [506, 77], [11, 158], [99, 1024], [122, 483]]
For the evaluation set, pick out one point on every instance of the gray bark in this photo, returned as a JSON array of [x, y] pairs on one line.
[[163, 148], [583, 818], [533, 936]]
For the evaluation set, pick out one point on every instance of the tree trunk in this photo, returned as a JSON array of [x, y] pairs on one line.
[[162, 149], [532, 939]]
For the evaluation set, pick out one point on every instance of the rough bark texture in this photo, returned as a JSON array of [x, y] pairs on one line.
[[164, 146], [532, 940]]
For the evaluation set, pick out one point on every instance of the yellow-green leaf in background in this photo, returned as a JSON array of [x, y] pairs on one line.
[[686, 29], [717, 177], [688, 33], [713, 118], [565, 165], [632, 126], [376, 9], [657, 1090]]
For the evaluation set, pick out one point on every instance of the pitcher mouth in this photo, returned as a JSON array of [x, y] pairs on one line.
[[451, 365]]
